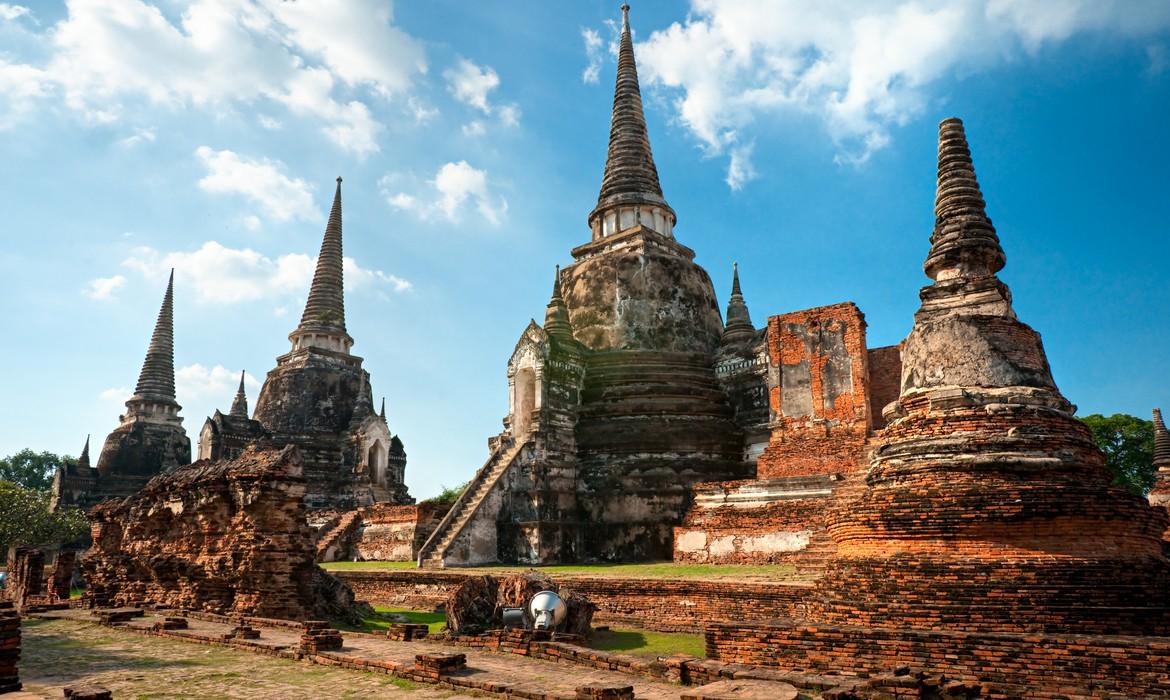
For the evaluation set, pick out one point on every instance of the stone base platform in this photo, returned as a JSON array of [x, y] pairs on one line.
[[665, 605], [1006, 665]]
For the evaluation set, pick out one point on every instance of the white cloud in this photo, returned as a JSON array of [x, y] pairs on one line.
[[197, 383], [863, 68], [592, 72], [103, 288], [106, 56], [509, 115], [21, 87], [216, 274], [739, 169], [262, 181], [474, 128], [270, 123], [420, 111], [455, 188], [9, 12], [471, 84], [139, 136]]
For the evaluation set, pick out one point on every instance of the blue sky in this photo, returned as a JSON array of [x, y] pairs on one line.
[[795, 137]]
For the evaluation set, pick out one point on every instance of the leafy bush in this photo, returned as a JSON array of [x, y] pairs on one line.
[[449, 495], [25, 519], [1128, 444]]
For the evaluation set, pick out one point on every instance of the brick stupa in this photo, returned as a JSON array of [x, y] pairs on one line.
[[987, 506], [1160, 493]]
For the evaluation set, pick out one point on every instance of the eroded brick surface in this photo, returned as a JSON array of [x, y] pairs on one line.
[[224, 536]]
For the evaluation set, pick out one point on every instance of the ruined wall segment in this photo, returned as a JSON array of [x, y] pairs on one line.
[[226, 536], [984, 489], [819, 396]]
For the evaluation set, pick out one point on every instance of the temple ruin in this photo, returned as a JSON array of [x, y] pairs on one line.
[[317, 397], [651, 428], [150, 437]]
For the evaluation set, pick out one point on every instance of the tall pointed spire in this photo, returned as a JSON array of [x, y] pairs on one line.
[[323, 322], [964, 243], [240, 404], [556, 315], [1161, 442], [83, 460], [156, 381], [382, 413], [739, 322], [630, 177]]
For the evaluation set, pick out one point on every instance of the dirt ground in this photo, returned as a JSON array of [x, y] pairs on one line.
[[57, 653]]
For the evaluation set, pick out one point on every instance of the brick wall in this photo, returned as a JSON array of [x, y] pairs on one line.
[[395, 533], [683, 605], [818, 394], [1077, 666], [885, 381], [757, 522]]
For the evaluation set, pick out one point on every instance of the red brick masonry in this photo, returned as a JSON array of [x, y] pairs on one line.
[[1047, 665], [665, 605]]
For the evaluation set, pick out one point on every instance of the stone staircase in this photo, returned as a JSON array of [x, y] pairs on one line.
[[330, 545], [433, 553]]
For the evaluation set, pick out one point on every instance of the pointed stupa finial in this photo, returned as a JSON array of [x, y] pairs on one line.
[[739, 321], [156, 381], [964, 243], [323, 322], [556, 314], [382, 412], [83, 460], [630, 180], [240, 403], [1161, 442]]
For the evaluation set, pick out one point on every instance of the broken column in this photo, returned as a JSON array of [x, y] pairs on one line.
[[987, 505], [26, 575]]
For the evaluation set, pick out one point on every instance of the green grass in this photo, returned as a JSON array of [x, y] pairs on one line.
[[647, 643], [660, 570], [384, 617], [364, 565]]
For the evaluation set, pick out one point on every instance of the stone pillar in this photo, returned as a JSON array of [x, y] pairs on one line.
[[26, 573], [61, 578]]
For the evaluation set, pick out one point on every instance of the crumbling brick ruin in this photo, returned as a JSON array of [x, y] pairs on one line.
[[26, 576], [986, 510], [226, 536], [650, 414], [318, 398]]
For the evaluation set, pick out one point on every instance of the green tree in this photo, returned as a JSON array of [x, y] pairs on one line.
[[1128, 444], [25, 519], [449, 494], [32, 470]]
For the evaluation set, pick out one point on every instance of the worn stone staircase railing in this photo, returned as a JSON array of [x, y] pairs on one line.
[[433, 550]]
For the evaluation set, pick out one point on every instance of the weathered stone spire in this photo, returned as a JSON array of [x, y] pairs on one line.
[[964, 243], [556, 315], [382, 413], [739, 322], [1161, 442], [83, 460], [156, 381], [630, 181], [240, 404], [323, 323]]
